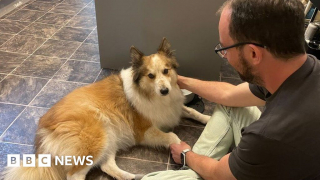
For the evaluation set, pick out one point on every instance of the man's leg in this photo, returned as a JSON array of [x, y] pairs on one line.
[[222, 131]]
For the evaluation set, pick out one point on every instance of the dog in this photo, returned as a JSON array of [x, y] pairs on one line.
[[118, 112]]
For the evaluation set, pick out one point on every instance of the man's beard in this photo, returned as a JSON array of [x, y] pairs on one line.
[[247, 74]]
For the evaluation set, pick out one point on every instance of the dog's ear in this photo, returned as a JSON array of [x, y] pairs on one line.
[[165, 47], [136, 60]]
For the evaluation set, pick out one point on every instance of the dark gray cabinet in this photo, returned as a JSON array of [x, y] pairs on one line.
[[191, 26]]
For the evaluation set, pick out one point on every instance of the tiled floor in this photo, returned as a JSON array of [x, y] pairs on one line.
[[47, 49]]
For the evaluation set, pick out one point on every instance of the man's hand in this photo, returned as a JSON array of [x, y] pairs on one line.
[[181, 82], [176, 150]]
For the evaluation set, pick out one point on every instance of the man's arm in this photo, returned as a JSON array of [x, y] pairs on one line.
[[221, 92], [207, 168]]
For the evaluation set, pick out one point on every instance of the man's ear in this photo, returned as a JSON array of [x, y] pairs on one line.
[[165, 47], [255, 54]]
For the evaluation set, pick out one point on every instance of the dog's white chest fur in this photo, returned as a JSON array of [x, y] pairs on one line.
[[163, 111]]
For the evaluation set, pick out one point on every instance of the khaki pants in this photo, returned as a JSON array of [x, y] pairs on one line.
[[221, 132]]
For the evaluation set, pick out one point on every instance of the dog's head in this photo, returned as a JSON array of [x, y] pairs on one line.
[[154, 74]]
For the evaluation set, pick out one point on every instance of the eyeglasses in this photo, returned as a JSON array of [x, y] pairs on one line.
[[222, 51]]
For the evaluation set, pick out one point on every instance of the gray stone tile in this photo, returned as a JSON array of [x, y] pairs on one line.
[[4, 38], [88, 52], [77, 2], [40, 30], [91, 5], [22, 44], [191, 122], [26, 15], [78, 71], [227, 70], [8, 113], [2, 76], [39, 66], [71, 9], [49, 1], [208, 107], [146, 153], [105, 73], [56, 19], [9, 61], [139, 167], [96, 173], [53, 92], [12, 27], [72, 34], [23, 130], [20, 90], [88, 11], [234, 81], [83, 22], [7, 148], [188, 134], [92, 38], [174, 167], [40, 6], [57, 48]]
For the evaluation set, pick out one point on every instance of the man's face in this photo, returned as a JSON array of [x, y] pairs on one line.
[[235, 56]]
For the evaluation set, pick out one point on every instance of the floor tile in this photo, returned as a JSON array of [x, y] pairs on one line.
[[7, 148], [56, 19], [40, 30], [23, 44], [234, 81], [146, 153], [91, 5], [105, 73], [191, 122], [77, 2], [188, 134], [78, 71], [4, 38], [40, 6], [12, 27], [53, 92], [26, 15], [50, 1], [20, 90], [139, 167], [83, 22], [97, 174], [227, 70], [2, 76], [88, 11], [92, 38], [72, 34], [208, 107], [67, 9], [23, 130], [87, 52], [8, 113], [9, 61], [174, 167], [39, 66], [57, 48]]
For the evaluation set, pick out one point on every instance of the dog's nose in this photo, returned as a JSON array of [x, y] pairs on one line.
[[164, 91]]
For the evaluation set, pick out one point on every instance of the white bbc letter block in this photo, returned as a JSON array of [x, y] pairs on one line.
[[13, 160], [29, 160], [44, 160]]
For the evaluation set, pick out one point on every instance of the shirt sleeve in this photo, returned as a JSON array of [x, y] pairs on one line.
[[258, 91], [257, 157]]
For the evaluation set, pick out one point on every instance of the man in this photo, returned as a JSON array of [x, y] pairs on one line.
[[264, 41]]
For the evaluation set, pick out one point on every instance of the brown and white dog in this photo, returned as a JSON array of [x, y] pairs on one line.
[[115, 113]]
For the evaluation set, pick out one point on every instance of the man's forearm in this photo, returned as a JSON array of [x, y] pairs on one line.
[[211, 90], [203, 165]]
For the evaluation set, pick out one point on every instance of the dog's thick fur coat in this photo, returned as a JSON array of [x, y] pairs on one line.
[[115, 113]]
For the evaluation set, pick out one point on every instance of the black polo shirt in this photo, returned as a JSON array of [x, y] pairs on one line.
[[284, 143]]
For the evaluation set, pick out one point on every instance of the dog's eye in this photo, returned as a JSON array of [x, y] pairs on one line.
[[151, 76], [165, 71]]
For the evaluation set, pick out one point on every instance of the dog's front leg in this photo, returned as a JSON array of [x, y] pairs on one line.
[[155, 137], [193, 114]]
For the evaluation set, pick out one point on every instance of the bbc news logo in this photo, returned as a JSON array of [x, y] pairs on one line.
[[44, 160]]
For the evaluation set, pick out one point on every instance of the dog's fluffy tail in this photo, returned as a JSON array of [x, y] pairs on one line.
[[35, 173]]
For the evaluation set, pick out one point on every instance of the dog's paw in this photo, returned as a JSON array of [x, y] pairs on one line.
[[174, 139]]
